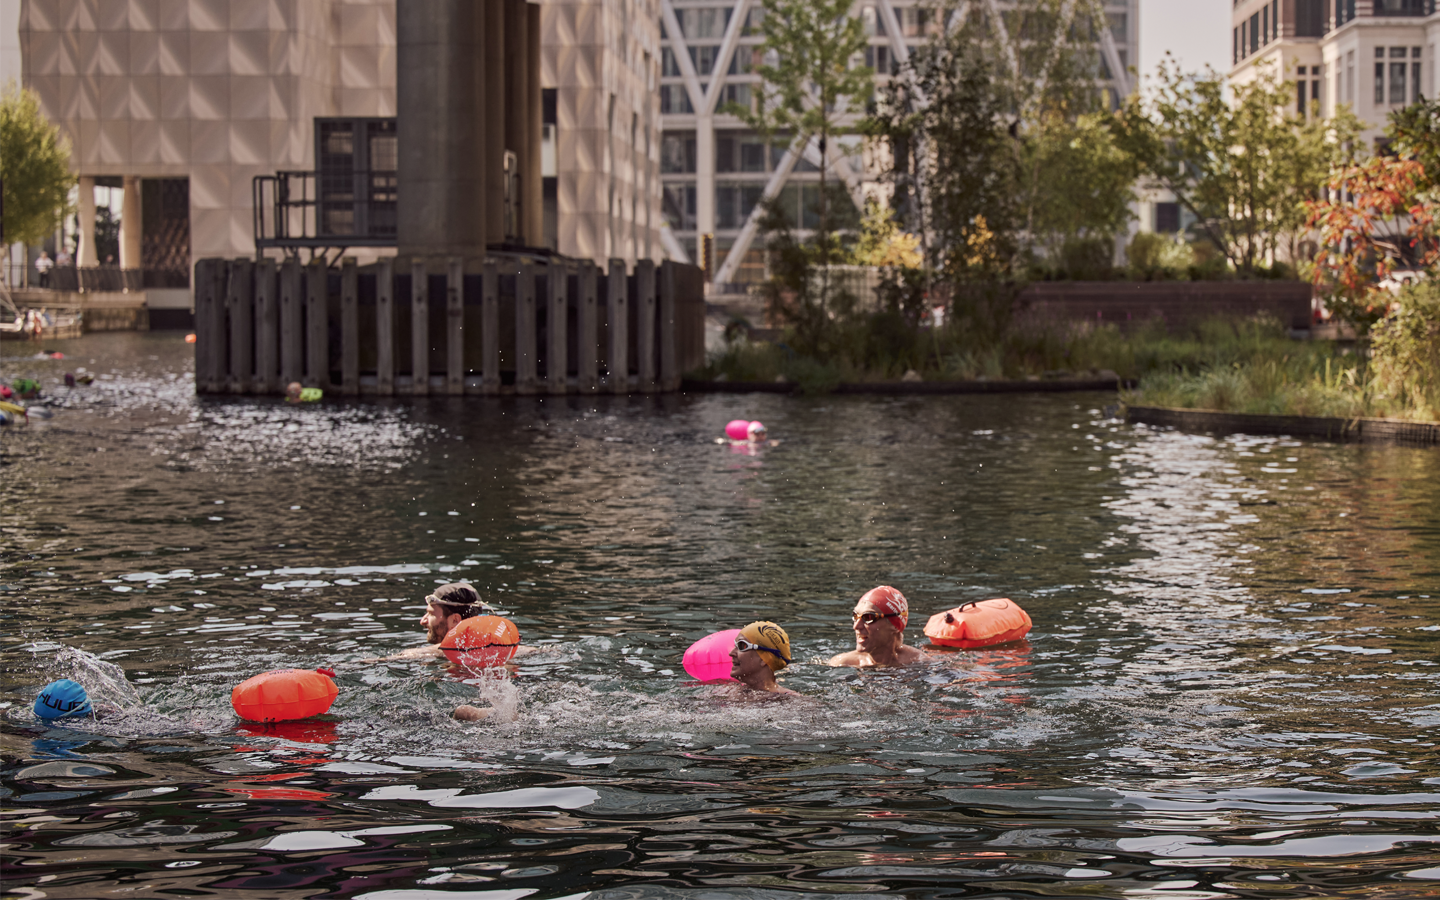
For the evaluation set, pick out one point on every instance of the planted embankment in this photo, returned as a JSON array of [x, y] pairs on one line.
[[1370, 431]]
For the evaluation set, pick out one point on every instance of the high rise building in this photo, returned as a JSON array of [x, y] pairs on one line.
[[715, 169], [1374, 55]]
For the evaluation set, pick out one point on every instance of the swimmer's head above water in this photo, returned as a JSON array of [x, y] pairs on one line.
[[761, 649], [879, 623], [450, 605], [756, 432]]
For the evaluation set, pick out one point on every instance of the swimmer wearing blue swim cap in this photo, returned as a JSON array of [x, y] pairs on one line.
[[61, 699]]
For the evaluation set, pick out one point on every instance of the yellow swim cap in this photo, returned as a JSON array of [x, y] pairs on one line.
[[774, 643]]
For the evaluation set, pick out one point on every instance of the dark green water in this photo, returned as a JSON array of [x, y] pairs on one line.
[[1230, 690]]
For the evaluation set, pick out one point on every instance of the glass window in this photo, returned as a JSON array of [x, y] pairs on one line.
[[675, 100], [677, 152], [698, 24], [1397, 83], [669, 65], [912, 21], [1415, 82], [1379, 83], [680, 206]]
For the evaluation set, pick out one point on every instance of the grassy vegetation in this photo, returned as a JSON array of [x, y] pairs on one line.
[[1250, 366]]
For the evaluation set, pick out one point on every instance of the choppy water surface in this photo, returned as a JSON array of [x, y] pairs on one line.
[[1230, 691]]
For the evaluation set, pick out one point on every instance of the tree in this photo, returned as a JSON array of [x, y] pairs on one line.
[[1379, 215], [34, 166], [809, 83], [1244, 165]]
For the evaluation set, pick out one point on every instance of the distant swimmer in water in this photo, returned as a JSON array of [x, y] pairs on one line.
[[761, 649], [879, 627]]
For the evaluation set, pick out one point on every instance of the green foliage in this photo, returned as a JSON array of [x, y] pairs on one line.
[[1414, 132], [1244, 165], [35, 166], [1081, 183], [1158, 253], [1406, 361]]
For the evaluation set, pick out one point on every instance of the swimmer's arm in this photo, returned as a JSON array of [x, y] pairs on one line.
[[426, 652], [467, 713], [850, 658]]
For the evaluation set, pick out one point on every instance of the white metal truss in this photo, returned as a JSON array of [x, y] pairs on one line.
[[705, 99]]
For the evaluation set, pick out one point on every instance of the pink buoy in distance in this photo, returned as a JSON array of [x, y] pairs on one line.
[[708, 659], [737, 429]]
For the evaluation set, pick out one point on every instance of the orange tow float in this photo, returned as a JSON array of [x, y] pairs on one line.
[[284, 695], [481, 642], [979, 623]]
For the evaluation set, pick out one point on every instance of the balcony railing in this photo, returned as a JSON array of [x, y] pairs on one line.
[[109, 279], [1403, 8]]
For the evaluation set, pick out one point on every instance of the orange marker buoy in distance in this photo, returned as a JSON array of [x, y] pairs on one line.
[[481, 642], [979, 623], [284, 695], [189, 338]]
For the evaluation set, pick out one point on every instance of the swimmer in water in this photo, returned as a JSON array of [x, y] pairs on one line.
[[761, 649], [450, 605], [879, 626], [292, 392]]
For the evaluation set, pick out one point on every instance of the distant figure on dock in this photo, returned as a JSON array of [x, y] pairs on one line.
[[761, 649], [879, 626]]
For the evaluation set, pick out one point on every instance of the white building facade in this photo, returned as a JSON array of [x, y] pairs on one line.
[[716, 170], [1375, 56]]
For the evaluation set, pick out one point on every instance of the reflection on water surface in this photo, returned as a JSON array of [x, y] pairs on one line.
[[1230, 690]]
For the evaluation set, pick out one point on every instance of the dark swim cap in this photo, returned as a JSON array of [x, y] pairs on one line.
[[60, 699]]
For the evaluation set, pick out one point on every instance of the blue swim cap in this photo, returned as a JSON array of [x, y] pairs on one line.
[[62, 698]]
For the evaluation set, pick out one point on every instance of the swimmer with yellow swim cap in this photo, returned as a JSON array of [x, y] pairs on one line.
[[761, 649], [879, 626]]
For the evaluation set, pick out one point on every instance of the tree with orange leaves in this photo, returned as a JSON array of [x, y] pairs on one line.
[[1378, 216]]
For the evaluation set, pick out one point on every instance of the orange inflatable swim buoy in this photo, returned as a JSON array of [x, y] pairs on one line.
[[284, 695], [979, 623], [481, 642]]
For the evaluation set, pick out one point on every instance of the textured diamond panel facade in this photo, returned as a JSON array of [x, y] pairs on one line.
[[219, 91]]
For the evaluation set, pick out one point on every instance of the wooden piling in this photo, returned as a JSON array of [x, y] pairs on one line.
[[669, 358], [618, 326], [207, 337], [267, 328], [385, 328], [292, 347], [349, 327], [526, 378], [455, 326], [317, 325], [556, 357], [239, 300], [587, 369], [490, 329], [645, 313], [419, 329]]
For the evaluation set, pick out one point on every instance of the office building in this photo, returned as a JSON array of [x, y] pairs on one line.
[[716, 170], [177, 105]]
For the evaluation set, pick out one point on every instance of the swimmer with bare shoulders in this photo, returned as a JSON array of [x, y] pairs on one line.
[[879, 626], [761, 649], [450, 605]]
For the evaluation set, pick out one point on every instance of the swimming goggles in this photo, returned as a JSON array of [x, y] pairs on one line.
[[742, 645], [870, 618]]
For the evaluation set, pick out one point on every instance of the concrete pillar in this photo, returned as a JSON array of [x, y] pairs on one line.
[[85, 255], [493, 139], [442, 118], [704, 176], [532, 202], [131, 223]]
